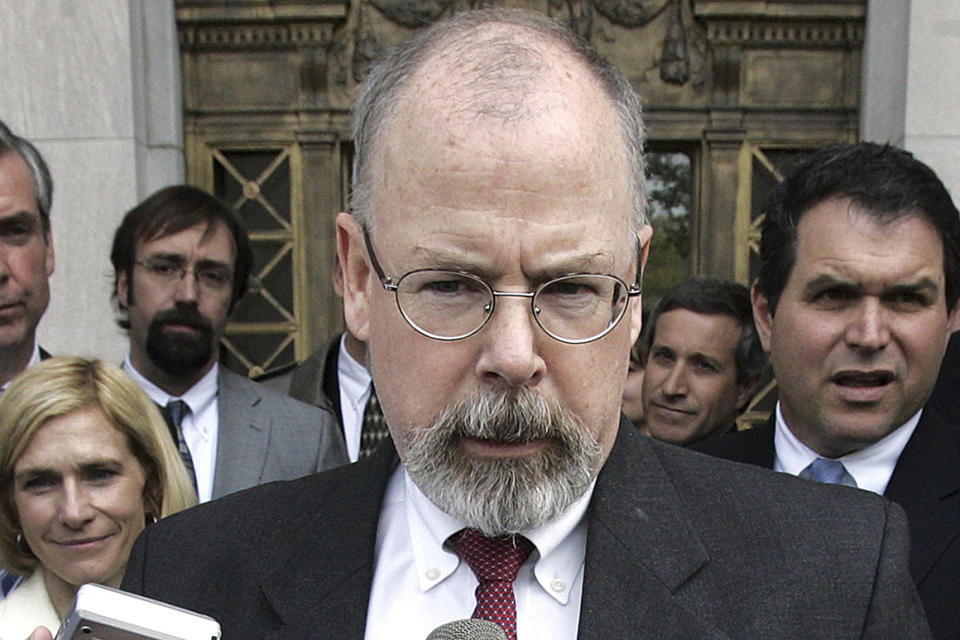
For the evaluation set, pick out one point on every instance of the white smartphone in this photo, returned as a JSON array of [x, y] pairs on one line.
[[102, 613]]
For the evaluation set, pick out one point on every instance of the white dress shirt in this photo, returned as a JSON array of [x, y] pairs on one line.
[[354, 380], [419, 583], [871, 466], [199, 426]]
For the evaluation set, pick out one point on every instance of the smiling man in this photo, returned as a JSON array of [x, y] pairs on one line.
[[492, 262], [182, 259], [855, 301], [704, 360]]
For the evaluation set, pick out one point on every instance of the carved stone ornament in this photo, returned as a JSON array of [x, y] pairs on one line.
[[413, 13], [630, 13]]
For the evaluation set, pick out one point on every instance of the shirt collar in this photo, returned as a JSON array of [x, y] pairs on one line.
[[198, 397], [354, 378], [871, 466], [560, 544]]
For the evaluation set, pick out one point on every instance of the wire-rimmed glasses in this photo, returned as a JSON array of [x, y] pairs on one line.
[[448, 305]]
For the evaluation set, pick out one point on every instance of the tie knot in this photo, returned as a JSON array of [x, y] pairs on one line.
[[492, 559], [829, 472], [176, 409]]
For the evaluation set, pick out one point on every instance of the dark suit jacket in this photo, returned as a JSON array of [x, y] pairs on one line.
[[315, 381], [679, 546], [926, 483], [265, 436], [945, 398]]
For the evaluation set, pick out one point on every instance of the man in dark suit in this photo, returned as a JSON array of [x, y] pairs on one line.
[[855, 300], [181, 260], [492, 263], [26, 261], [336, 378]]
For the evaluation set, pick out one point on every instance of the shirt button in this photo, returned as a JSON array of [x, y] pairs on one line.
[[558, 585], [433, 574]]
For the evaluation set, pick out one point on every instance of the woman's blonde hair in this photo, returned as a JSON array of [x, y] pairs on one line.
[[60, 386]]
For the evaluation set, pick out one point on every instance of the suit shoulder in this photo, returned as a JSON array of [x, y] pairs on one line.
[[761, 494], [751, 446], [275, 400], [271, 511]]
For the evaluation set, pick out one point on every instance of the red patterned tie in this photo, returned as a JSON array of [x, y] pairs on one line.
[[495, 562]]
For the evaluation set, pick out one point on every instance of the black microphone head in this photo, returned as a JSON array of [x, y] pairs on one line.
[[470, 629]]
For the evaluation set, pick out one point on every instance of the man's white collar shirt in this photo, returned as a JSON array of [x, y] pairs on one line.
[[420, 583], [200, 425], [354, 381], [871, 466]]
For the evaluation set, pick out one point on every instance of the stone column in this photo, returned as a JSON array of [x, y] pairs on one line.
[[910, 88]]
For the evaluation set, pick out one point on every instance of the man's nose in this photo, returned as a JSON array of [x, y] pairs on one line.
[[510, 351], [187, 287], [675, 383], [868, 327]]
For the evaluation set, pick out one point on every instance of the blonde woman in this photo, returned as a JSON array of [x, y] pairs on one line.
[[86, 462]]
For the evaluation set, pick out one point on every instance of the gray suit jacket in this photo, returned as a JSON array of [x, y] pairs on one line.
[[265, 436], [679, 546]]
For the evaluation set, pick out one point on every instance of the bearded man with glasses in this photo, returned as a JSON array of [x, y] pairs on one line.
[[181, 261], [491, 261]]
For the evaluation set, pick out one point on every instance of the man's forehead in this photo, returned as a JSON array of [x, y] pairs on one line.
[[202, 234], [683, 327], [15, 175]]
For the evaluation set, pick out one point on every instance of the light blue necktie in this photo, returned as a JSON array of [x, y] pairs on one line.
[[828, 471]]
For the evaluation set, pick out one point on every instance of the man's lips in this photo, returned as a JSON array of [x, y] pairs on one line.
[[863, 386], [501, 449], [181, 326], [670, 414]]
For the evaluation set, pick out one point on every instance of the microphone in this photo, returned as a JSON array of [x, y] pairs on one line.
[[469, 629]]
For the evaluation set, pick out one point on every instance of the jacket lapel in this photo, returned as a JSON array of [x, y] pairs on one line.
[[641, 548], [243, 434], [322, 587], [926, 483]]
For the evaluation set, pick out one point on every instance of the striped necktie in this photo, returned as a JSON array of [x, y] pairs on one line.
[[175, 411]]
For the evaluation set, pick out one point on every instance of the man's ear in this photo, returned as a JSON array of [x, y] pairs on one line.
[[644, 234], [356, 273], [762, 316], [51, 262], [123, 290], [953, 319]]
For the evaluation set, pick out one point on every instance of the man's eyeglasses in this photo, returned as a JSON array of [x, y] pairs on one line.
[[451, 305], [168, 273]]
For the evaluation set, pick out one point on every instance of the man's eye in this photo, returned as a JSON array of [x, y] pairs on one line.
[[450, 286], [908, 300], [834, 296], [163, 268], [213, 276], [662, 357], [16, 232], [704, 366]]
